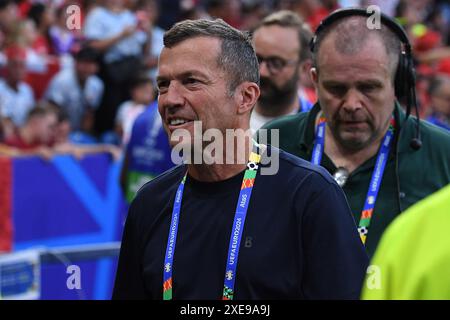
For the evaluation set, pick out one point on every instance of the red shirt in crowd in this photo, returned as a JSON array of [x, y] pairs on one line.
[[17, 141]]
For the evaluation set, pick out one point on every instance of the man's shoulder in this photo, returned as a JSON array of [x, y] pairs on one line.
[[294, 121], [299, 168]]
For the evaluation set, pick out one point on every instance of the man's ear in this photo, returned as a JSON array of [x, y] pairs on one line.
[[314, 76], [305, 67], [246, 95]]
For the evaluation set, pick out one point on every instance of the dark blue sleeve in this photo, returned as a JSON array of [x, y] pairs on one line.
[[129, 284], [335, 260]]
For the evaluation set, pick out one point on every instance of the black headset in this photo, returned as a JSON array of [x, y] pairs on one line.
[[405, 77]]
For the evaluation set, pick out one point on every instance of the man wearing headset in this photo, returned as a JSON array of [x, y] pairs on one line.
[[384, 160]]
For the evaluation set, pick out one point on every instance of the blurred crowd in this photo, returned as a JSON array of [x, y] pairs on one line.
[[74, 75]]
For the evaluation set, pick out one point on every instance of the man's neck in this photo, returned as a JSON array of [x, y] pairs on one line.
[[219, 172], [214, 172], [278, 111]]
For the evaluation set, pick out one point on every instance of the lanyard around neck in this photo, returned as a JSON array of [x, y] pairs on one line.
[[236, 233], [377, 174]]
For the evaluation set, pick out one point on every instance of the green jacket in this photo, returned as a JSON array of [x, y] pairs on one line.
[[413, 258], [420, 172]]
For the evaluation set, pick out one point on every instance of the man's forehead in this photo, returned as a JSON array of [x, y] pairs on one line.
[[194, 45], [277, 38], [372, 52], [349, 68], [194, 55]]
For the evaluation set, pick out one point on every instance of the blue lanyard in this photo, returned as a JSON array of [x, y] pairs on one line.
[[319, 143], [377, 175], [236, 234]]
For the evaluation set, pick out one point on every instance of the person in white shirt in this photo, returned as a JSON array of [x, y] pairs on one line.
[[78, 90], [16, 96], [142, 94], [114, 30]]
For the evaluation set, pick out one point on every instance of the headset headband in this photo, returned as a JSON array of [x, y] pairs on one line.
[[339, 14]]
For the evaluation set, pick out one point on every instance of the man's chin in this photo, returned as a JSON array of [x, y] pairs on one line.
[[354, 140]]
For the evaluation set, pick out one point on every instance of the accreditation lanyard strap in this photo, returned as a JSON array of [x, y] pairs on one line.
[[377, 175], [236, 234]]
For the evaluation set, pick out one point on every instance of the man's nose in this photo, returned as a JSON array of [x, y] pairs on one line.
[[352, 101], [173, 96]]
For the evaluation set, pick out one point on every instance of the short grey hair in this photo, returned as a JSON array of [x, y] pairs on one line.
[[237, 57], [290, 19], [352, 34]]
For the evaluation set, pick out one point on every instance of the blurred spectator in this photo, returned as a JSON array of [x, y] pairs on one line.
[[313, 11], [78, 90], [281, 44], [444, 67], [191, 10], [440, 102], [228, 10], [63, 127], [24, 33], [387, 6], [7, 128], [427, 26], [253, 11], [114, 30], [436, 21], [64, 144], [43, 17], [8, 15], [147, 13], [170, 11], [16, 97], [147, 153], [89, 5], [142, 94], [37, 134], [62, 40]]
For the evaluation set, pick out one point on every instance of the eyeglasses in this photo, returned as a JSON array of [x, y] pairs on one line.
[[275, 64]]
